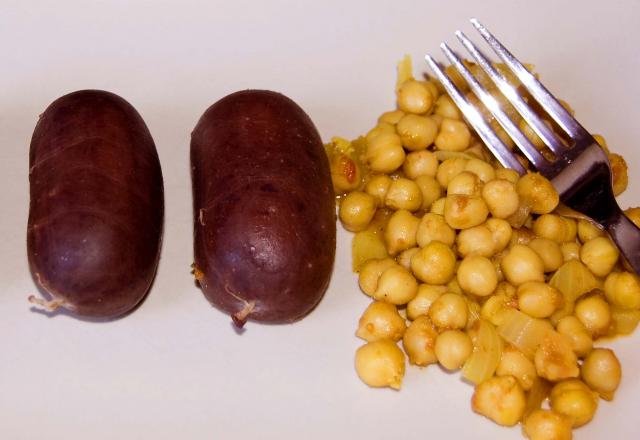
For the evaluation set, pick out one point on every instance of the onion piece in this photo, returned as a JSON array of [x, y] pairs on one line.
[[523, 332], [487, 350]]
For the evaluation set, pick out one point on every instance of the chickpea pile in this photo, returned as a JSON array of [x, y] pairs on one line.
[[472, 266]]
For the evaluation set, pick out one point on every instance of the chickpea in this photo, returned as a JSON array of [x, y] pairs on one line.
[[482, 169], [404, 194], [554, 358], [400, 233], [476, 241], [588, 231], [385, 153], [449, 311], [380, 129], [549, 252], [555, 228], [419, 342], [501, 198], [538, 193], [415, 97], [477, 275], [391, 117], [465, 183], [404, 259], [433, 227], [396, 285], [420, 163], [514, 363], [446, 108], [420, 304], [634, 215], [578, 335], [501, 399], [357, 210], [453, 348], [570, 251], [531, 135], [370, 273], [622, 289], [601, 370], [454, 135], [381, 321], [508, 174], [416, 132], [522, 264], [543, 424], [595, 314], [380, 364], [538, 300], [600, 255], [501, 232], [449, 169], [434, 263], [377, 187], [462, 212], [437, 207], [430, 189], [346, 175], [620, 178], [574, 400]]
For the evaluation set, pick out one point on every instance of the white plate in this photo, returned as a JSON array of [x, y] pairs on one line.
[[175, 368]]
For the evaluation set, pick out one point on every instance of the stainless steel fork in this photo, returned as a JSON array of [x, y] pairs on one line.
[[580, 170]]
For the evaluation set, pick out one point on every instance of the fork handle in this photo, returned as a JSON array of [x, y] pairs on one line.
[[627, 236]]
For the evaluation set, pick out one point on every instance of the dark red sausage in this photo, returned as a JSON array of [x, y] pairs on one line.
[[96, 211], [264, 209]]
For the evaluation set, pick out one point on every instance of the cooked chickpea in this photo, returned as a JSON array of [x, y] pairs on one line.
[[385, 153], [416, 132], [357, 210], [462, 212], [601, 370], [419, 342], [446, 108], [544, 424], [437, 207], [404, 259], [380, 364], [549, 252], [574, 400], [538, 299], [588, 231], [391, 117], [600, 255], [449, 169], [420, 163], [538, 193], [522, 264], [619, 173], [476, 241], [396, 286], [570, 251], [622, 289], [514, 363], [381, 321], [501, 399], [346, 175], [454, 135], [501, 198], [370, 273], [531, 134], [555, 228], [477, 275], [634, 215], [508, 174], [415, 97], [501, 232], [420, 304], [465, 183], [554, 358], [400, 233], [433, 227], [482, 169], [449, 311], [377, 186], [453, 348], [430, 189], [434, 263], [404, 194], [578, 335], [378, 130], [595, 314]]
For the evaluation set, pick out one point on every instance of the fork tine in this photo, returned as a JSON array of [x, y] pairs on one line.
[[488, 100], [541, 129], [550, 104], [486, 133]]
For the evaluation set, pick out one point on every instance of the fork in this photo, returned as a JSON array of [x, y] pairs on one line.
[[580, 171]]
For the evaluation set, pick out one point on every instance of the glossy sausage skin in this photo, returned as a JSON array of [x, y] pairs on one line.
[[264, 209], [96, 210]]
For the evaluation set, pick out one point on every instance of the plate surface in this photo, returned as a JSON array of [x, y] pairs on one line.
[[175, 368]]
